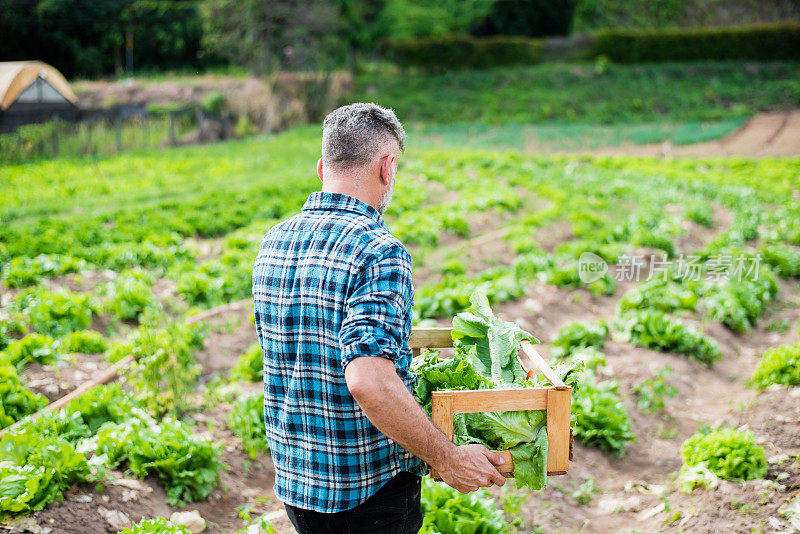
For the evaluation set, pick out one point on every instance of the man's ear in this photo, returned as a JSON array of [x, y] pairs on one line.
[[319, 169], [388, 168]]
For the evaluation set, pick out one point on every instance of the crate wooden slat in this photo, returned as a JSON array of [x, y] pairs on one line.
[[556, 400]]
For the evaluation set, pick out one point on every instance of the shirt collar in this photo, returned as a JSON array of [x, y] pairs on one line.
[[321, 200]]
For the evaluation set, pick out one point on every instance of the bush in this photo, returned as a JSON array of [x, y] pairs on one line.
[[464, 52], [767, 42], [85, 342], [250, 365], [727, 453], [779, 365]]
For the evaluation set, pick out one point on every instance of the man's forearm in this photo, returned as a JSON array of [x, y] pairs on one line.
[[389, 406]]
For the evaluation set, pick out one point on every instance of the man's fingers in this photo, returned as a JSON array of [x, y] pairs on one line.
[[493, 457], [497, 478]]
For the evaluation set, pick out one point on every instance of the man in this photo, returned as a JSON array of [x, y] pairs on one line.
[[333, 296]]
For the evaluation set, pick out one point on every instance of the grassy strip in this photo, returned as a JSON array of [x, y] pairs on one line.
[[590, 93]]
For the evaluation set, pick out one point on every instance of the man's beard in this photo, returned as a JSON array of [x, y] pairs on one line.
[[386, 199]]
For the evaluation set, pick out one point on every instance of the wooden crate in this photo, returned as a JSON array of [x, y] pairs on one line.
[[556, 400]]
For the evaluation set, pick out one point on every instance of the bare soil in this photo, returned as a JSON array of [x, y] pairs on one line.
[[766, 134]]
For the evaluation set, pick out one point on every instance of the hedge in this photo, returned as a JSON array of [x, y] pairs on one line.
[[762, 42], [757, 42], [464, 52]]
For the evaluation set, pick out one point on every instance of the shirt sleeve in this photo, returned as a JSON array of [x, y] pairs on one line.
[[377, 310]]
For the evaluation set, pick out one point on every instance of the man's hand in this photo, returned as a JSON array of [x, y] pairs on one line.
[[470, 467], [383, 397]]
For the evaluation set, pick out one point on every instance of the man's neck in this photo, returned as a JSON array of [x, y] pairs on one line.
[[349, 187]]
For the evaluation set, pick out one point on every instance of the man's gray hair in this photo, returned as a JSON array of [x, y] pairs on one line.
[[353, 135]]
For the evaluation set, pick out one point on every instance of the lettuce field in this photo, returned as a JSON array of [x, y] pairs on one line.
[[671, 285]]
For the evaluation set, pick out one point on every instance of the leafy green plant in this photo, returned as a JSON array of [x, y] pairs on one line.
[[659, 294], [575, 336], [250, 365], [700, 211], [166, 369], [599, 416], [564, 273], [219, 280], [653, 329], [585, 492], [738, 304], [56, 313], [650, 392], [783, 259], [104, 404], [84, 341], [16, 401], [31, 348], [23, 271], [9, 327], [728, 453], [446, 511], [186, 464], [696, 476], [36, 469], [156, 525], [246, 420], [130, 296], [778, 365], [590, 357]]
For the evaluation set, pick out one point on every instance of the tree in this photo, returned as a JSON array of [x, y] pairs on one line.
[[81, 37], [534, 18], [267, 35], [431, 18], [362, 25]]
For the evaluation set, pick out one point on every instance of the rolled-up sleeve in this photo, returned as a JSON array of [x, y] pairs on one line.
[[378, 308]]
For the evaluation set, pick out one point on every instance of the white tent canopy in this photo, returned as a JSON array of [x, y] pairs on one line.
[[32, 82]]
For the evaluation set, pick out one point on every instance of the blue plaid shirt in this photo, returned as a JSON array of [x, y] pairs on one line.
[[330, 284]]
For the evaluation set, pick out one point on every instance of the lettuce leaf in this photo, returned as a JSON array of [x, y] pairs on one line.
[[530, 462], [490, 343], [434, 374], [504, 430]]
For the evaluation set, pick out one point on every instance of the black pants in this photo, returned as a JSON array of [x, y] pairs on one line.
[[394, 509]]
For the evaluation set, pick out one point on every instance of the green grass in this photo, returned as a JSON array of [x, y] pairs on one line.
[[580, 92], [554, 136]]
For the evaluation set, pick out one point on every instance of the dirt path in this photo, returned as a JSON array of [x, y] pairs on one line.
[[766, 134]]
